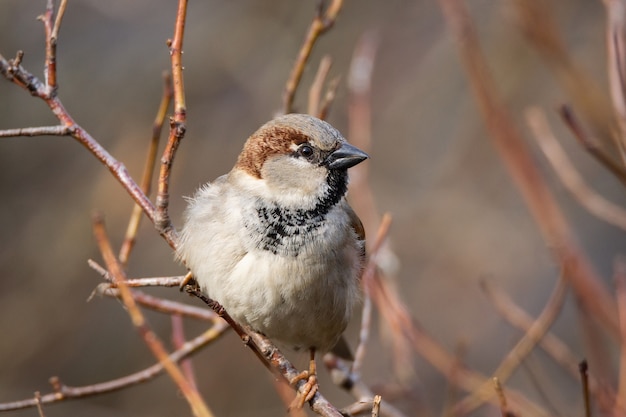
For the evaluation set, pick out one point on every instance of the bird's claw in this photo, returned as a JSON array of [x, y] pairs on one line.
[[308, 390]]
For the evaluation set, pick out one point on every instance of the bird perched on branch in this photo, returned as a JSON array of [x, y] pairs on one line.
[[275, 242]]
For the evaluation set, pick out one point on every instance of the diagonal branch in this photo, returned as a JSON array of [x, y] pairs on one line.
[[196, 402], [510, 145], [148, 171], [524, 346], [64, 392], [322, 22], [569, 176]]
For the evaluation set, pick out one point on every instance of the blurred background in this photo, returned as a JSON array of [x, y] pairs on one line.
[[457, 218]]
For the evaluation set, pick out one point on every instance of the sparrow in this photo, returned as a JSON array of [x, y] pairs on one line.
[[275, 242]]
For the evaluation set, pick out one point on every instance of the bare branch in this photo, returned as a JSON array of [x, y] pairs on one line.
[[616, 65], [321, 23], [196, 402], [148, 171], [315, 92], [584, 376], [344, 377], [329, 98], [178, 127], [65, 392], [569, 176], [620, 285], [540, 28], [590, 144], [552, 345], [511, 147], [522, 348], [37, 131]]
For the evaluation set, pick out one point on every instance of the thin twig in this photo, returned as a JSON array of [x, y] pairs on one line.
[[178, 340], [526, 344], [315, 91], [151, 282], [37, 131], [584, 376], [321, 23], [569, 176], [57, 22], [616, 65], [177, 122], [64, 392], [376, 406], [329, 98], [366, 278], [50, 66], [148, 170], [196, 402], [620, 287], [497, 387], [551, 344], [516, 156], [39, 406], [590, 144], [344, 377], [163, 305], [396, 313], [136, 282], [541, 29]]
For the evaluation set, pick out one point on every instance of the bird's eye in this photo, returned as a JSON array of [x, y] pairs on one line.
[[305, 150]]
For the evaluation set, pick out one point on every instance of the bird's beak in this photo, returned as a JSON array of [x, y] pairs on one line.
[[345, 157]]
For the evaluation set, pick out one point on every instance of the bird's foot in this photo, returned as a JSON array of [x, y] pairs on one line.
[[308, 390]]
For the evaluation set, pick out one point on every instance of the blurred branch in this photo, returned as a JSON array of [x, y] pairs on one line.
[[620, 285], [178, 126], [512, 149], [616, 51], [329, 98], [569, 176], [37, 131], [196, 402], [522, 348], [64, 392], [366, 279], [396, 313], [552, 345], [540, 29], [322, 22], [148, 170], [178, 340], [315, 91], [344, 377], [590, 145], [584, 376]]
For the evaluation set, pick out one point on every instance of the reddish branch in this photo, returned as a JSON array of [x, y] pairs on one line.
[[177, 123], [323, 21], [148, 171], [194, 399], [64, 392], [507, 140]]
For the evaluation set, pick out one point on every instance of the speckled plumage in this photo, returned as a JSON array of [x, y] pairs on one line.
[[274, 241]]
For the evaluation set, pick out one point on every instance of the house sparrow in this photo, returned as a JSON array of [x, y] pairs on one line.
[[275, 242]]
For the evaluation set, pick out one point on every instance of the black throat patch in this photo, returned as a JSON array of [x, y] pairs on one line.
[[285, 231]]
